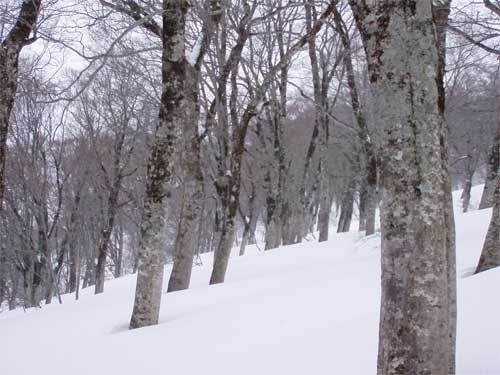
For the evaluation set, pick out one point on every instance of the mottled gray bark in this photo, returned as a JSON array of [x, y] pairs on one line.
[[10, 49], [417, 320], [188, 233], [371, 192], [346, 209], [441, 11], [492, 168], [172, 115], [490, 255], [187, 238]]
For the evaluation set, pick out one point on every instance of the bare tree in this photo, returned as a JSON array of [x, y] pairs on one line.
[[173, 108], [404, 67], [17, 38]]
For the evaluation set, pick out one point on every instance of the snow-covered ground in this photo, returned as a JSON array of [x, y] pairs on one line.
[[304, 309]]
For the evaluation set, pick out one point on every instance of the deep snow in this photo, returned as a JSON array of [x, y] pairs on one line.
[[304, 309]]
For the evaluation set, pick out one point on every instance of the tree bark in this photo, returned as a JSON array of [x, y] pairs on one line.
[[187, 239], [346, 207], [103, 248], [10, 50], [172, 113], [492, 171], [417, 323], [490, 255]]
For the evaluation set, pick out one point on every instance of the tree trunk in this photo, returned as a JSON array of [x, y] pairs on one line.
[[416, 321], [370, 159], [273, 210], [467, 190], [346, 209], [492, 168], [441, 14], [362, 206], [325, 208], [371, 195], [187, 239], [223, 251], [172, 114], [102, 250], [490, 255], [10, 50]]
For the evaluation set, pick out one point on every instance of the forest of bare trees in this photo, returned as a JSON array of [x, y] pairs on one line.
[[135, 133]]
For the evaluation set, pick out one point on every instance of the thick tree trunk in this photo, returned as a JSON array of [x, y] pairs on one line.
[[490, 255], [492, 168], [172, 115], [10, 50], [187, 239], [416, 321], [188, 233]]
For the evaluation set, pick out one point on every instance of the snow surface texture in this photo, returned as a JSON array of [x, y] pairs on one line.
[[304, 309]]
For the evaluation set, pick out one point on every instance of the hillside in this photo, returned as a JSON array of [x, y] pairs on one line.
[[304, 309]]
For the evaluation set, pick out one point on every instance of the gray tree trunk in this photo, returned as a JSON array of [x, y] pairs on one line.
[[10, 49], [490, 255], [416, 323], [172, 114], [492, 168], [369, 154], [112, 206], [188, 233], [325, 208], [466, 193], [186, 242], [346, 209]]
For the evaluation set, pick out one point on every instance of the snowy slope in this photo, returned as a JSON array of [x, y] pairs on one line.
[[304, 309]]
